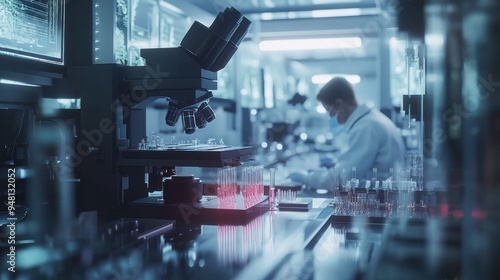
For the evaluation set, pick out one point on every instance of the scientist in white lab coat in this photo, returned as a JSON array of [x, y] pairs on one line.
[[373, 140]]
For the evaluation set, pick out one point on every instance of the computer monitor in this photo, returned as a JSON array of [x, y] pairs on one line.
[[32, 29]]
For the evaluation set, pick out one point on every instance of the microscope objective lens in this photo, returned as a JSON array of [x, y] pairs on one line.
[[188, 122]]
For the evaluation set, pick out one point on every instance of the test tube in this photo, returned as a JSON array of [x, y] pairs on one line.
[[257, 183], [374, 177], [224, 185], [247, 174], [336, 184], [252, 183], [153, 140], [219, 187], [231, 184], [272, 173], [195, 143], [344, 180], [235, 175], [261, 181], [243, 182], [249, 187]]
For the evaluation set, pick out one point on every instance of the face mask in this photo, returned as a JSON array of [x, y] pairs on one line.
[[334, 125]]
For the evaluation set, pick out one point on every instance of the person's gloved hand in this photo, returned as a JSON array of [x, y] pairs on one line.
[[298, 177]]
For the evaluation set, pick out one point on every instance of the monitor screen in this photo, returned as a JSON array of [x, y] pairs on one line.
[[32, 29]]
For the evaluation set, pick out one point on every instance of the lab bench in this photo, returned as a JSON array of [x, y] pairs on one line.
[[252, 250], [273, 245]]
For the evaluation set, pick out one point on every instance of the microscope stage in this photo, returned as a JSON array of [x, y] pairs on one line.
[[200, 155]]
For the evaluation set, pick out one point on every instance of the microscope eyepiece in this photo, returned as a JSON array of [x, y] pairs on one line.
[[226, 23], [207, 44], [232, 46]]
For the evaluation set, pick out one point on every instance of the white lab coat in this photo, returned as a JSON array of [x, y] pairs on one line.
[[373, 141]]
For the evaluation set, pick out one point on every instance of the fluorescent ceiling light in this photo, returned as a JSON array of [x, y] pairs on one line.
[[316, 2], [310, 44], [267, 16], [11, 82], [336, 13], [324, 78], [171, 7]]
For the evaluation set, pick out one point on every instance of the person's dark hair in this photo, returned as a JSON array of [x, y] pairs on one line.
[[337, 88]]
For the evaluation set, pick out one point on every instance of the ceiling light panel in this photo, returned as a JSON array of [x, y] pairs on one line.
[[310, 44]]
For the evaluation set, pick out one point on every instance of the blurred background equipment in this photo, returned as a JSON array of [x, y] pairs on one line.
[[146, 137]]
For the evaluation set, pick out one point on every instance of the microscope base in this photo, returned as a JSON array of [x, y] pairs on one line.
[[207, 211]]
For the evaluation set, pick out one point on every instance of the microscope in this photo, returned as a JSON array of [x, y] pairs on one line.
[[184, 76]]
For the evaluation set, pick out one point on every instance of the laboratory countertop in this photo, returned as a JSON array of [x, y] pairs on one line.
[[254, 250], [274, 245]]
